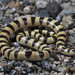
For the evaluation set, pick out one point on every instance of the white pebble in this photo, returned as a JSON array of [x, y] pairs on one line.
[[27, 9], [16, 44], [71, 32], [16, 15], [2, 73], [66, 60], [66, 74], [73, 61], [62, 69], [12, 10], [41, 4]]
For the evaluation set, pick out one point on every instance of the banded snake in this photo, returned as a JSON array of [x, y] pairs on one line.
[[43, 50]]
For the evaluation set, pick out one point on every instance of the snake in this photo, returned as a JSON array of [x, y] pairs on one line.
[[42, 50]]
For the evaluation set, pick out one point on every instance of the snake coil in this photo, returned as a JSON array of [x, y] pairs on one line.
[[43, 50]]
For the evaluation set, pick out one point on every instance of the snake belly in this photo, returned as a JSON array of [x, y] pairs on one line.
[[44, 51]]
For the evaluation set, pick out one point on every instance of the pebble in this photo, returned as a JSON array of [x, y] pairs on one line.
[[24, 74], [16, 15], [17, 5], [1, 73], [13, 72], [25, 3], [32, 1], [56, 62], [19, 69], [54, 9], [44, 13], [11, 4], [73, 64], [54, 66], [7, 20], [1, 69], [71, 39], [27, 9], [68, 10], [72, 69], [8, 68], [16, 44], [23, 65], [66, 60], [41, 4], [71, 32], [54, 56], [73, 61], [63, 69], [46, 66], [67, 22], [13, 10], [5, 1], [28, 70], [73, 2]]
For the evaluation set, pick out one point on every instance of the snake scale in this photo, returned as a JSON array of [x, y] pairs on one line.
[[43, 50]]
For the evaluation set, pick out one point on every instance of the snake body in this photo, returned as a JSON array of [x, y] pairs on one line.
[[43, 50], [39, 37]]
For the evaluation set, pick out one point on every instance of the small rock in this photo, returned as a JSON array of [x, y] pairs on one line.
[[24, 74], [71, 32], [16, 15], [44, 13], [54, 66], [19, 69], [13, 10], [71, 39], [73, 73], [74, 65], [41, 4], [72, 69], [59, 58], [74, 29], [28, 70], [25, 3], [8, 68], [8, 11], [67, 74], [16, 44], [56, 62], [54, 9], [34, 68], [32, 1], [12, 4], [54, 56], [73, 61], [1, 69], [23, 65], [73, 2], [66, 60], [7, 20], [27, 9], [46, 66], [13, 72], [63, 69], [52, 72], [67, 22], [2, 73], [5, 1], [17, 4]]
